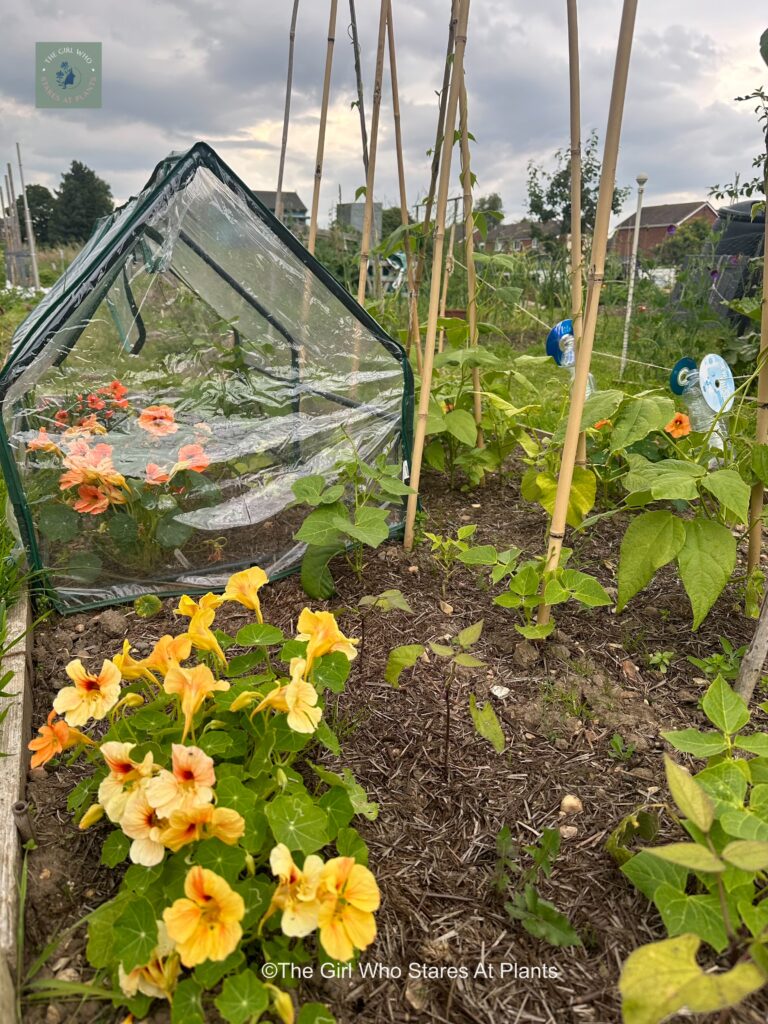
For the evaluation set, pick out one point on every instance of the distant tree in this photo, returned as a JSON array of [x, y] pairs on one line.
[[688, 240], [490, 203], [391, 219], [549, 192], [41, 204], [80, 201]]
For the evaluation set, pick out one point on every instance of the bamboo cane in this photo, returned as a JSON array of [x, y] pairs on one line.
[[446, 280], [371, 175], [11, 262], [596, 275], [435, 168], [321, 132], [469, 258], [761, 428], [286, 113], [577, 284], [28, 223], [413, 311], [437, 259], [359, 82]]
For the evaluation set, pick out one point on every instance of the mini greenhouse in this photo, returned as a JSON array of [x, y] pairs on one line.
[[191, 364]]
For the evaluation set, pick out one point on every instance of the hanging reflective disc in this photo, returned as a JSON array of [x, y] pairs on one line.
[[716, 382]]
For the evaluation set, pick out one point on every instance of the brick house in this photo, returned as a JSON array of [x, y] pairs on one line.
[[655, 225]]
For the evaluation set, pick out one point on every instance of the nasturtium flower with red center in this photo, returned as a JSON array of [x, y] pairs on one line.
[[202, 821], [189, 783], [93, 467], [61, 417], [53, 739], [158, 420], [125, 777], [192, 686], [141, 823], [205, 924], [94, 500], [678, 426], [192, 457], [349, 896], [323, 636], [155, 475], [92, 696], [243, 587], [96, 403]]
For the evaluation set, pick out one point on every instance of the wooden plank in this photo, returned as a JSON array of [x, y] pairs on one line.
[[14, 736]]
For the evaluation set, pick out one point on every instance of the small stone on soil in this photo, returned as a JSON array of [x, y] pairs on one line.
[[568, 831], [113, 623], [571, 804]]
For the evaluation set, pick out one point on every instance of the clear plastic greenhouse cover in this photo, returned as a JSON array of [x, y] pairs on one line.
[[191, 364]]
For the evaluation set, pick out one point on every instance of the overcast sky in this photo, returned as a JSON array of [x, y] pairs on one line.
[[175, 71]]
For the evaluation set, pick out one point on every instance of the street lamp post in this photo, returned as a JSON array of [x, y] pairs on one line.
[[641, 180]]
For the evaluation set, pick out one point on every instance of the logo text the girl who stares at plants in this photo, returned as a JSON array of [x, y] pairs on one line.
[[67, 75]]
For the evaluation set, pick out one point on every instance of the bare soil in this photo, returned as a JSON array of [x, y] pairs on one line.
[[432, 846]]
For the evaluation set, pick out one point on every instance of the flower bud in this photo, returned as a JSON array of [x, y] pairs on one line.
[[250, 864], [94, 813], [244, 699], [281, 778]]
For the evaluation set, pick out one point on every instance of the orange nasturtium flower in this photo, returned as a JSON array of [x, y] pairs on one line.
[[244, 588], [203, 821], [679, 425], [298, 700], [169, 650], [188, 784], [92, 696], [156, 475], [157, 978], [93, 467], [125, 776], [54, 738], [600, 424], [297, 895], [349, 897], [188, 605], [205, 925], [43, 443], [200, 633], [193, 457], [322, 633], [158, 420], [192, 686], [95, 500]]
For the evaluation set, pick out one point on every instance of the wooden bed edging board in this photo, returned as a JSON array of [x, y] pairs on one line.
[[14, 735]]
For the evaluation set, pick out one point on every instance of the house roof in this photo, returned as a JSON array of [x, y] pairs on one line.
[[291, 201], [664, 214]]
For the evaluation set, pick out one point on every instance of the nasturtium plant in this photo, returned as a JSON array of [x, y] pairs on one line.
[[709, 889], [225, 847]]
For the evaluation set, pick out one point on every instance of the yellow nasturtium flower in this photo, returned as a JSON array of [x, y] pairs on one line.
[[192, 686], [322, 633], [200, 633], [92, 696], [349, 897], [244, 588], [205, 924], [130, 668], [297, 894], [188, 605], [298, 700], [169, 650]]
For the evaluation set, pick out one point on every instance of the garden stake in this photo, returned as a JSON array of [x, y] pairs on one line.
[[28, 223], [437, 149], [577, 258], [469, 256], [413, 311], [321, 130], [751, 668], [596, 274], [359, 81], [286, 114], [370, 176], [641, 180], [437, 260], [761, 429], [446, 278]]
